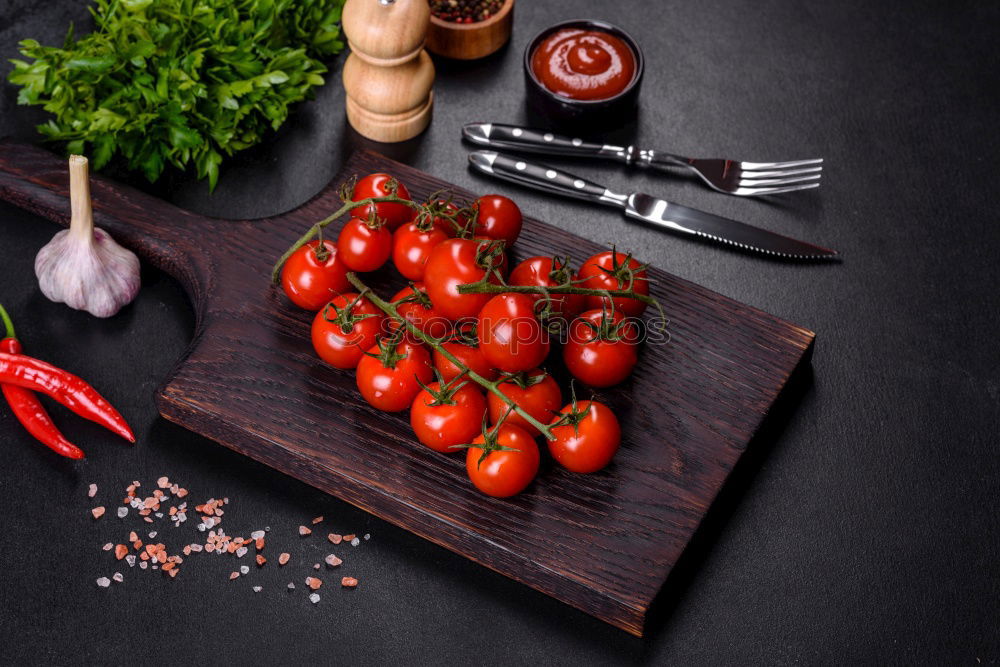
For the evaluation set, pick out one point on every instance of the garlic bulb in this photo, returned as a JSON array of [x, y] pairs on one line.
[[82, 266]]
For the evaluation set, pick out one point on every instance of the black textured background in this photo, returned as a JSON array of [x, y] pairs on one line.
[[862, 526]]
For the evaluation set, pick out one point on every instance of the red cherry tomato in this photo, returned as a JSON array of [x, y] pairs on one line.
[[377, 185], [311, 282], [452, 416], [549, 272], [587, 438], [411, 247], [534, 392], [457, 261], [510, 336], [345, 328], [364, 246], [503, 473], [414, 305], [389, 379], [464, 346], [498, 218], [601, 350], [611, 270]]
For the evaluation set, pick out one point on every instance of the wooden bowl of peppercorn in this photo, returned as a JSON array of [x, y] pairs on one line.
[[469, 29]]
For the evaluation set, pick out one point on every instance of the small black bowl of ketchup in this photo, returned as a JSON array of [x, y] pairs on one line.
[[584, 71]]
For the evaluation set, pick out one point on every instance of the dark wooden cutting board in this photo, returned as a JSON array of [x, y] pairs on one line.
[[603, 543]]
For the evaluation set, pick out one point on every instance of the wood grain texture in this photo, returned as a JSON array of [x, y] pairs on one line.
[[603, 543], [468, 41]]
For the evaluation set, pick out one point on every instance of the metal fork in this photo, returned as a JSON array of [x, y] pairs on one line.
[[732, 177]]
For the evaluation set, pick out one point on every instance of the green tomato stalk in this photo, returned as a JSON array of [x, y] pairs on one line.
[[492, 387], [485, 287], [317, 229]]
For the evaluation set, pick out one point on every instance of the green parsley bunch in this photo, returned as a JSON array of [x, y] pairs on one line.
[[179, 82]]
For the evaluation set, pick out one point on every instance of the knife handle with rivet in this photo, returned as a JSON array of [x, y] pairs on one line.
[[541, 177]]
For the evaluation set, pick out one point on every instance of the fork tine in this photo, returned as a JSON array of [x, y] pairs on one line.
[[773, 191], [767, 182], [756, 166], [779, 173]]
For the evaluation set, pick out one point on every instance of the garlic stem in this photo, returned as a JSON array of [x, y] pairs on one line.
[[81, 222]]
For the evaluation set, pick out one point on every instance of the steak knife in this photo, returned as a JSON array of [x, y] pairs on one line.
[[653, 211]]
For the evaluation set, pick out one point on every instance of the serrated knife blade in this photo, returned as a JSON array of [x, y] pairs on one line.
[[654, 211], [708, 226]]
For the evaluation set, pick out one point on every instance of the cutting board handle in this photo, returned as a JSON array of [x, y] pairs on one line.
[[175, 240]]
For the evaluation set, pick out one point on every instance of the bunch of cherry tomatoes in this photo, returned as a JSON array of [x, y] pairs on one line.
[[496, 339]]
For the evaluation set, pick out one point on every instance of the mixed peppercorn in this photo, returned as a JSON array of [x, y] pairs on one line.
[[465, 11]]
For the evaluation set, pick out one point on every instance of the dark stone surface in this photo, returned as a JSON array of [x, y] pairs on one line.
[[863, 524]]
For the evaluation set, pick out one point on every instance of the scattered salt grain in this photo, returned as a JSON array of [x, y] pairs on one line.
[[317, 520], [257, 534], [130, 559], [283, 558], [159, 515], [334, 538], [333, 561], [348, 582], [98, 512], [241, 552], [291, 586], [92, 491], [233, 575], [244, 569], [303, 531], [117, 576], [196, 548], [152, 534], [143, 565], [103, 582], [313, 583], [108, 546], [163, 482], [355, 542], [122, 512], [257, 589], [367, 536], [314, 598]]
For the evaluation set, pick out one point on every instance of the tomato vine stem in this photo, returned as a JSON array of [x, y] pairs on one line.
[[318, 227], [484, 287], [493, 387]]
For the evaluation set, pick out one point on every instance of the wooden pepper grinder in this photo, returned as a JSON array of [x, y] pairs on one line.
[[388, 76]]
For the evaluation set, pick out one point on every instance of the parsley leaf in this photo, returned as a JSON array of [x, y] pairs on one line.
[[178, 82]]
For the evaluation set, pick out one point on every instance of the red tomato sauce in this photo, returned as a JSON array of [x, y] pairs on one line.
[[583, 64]]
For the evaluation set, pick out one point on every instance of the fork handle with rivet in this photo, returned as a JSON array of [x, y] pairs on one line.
[[529, 140]]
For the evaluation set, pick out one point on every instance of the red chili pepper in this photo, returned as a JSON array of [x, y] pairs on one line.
[[32, 415], [26, 406], [36, 375]]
